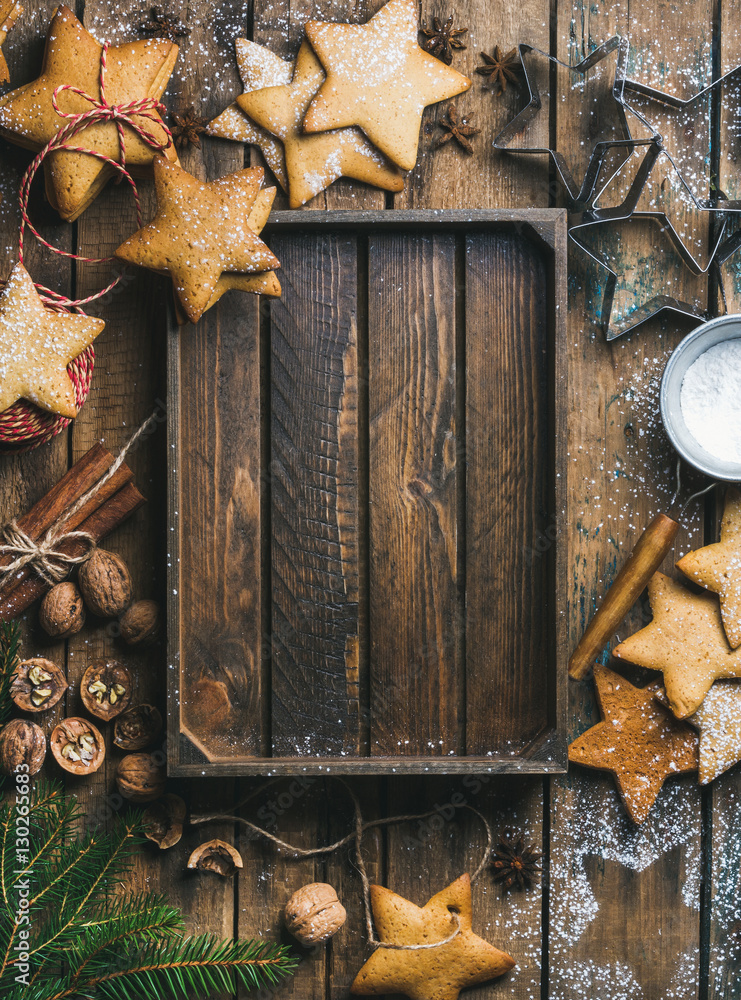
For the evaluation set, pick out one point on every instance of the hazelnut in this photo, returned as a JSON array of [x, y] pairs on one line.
[[137, 727], [62, 612], [216, 856], [37, 685], [78, 746], [163, 821], [105, 584], [140, 624], [139, 778], [22, 742], [106, 688], [314, 914]]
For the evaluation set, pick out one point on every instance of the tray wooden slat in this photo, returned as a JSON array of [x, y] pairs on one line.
[[414, 655], [509, 510], [407, 443], [314, 497]]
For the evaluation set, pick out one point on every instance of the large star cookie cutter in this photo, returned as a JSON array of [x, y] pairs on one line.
[[622, 143]]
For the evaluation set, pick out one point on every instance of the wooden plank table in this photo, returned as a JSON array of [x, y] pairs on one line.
[[651, 912]]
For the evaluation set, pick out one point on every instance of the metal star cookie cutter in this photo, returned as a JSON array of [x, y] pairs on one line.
[[627, 209], [580, 194], [661, 97], [657, 305]]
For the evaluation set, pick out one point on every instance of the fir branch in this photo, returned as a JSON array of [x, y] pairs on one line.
[[90, 945]]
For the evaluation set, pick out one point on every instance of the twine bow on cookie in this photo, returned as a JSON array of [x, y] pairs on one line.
[[123, 116]]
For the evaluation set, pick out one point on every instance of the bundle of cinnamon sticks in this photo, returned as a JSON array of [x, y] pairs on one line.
[[105, 510]]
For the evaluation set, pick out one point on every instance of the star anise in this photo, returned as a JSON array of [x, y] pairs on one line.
[[501, 68], [515, 864], [442, 39], [162, 25], [187, 128], [458, 129]]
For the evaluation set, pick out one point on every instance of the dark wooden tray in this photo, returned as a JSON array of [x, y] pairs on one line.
[[366, 496]]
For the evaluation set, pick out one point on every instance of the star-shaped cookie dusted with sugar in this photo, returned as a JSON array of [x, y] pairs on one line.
[[258, 68], [313, 162], [380, 78], [685, 641], [638, 741], [428, 973], [719, 722], [199, 233], [72, 57], [37, 344], [264, 283], [718, 567]]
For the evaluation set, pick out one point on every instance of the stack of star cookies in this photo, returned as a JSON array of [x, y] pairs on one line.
[[694, 639], [350, 105]]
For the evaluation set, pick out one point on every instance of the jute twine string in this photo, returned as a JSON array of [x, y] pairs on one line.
[[44, 556], [119, 114], [357, 836]]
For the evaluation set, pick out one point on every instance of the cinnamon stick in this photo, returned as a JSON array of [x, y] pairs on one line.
[[110, 487], [641, 565], [101, 522], [77, 481]]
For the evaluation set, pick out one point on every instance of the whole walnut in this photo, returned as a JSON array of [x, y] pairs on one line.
[[105, 584], [139, 778], [62, 612], [314, 913], [22, 742], [140, 624]]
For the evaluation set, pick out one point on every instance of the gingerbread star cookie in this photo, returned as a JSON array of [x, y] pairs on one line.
[[685, 641], [638, 741], [72, 56], [258, 68], [719, 722], [264, 283], [718, 567], [313, 162], [430, 973], [199, 233], [36, 345], [378, 77], [10, 11]]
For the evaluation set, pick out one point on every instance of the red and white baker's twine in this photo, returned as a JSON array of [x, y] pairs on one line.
[[101, 111], [22, 425]]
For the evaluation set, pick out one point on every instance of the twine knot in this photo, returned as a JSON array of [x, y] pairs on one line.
[[45, 557]]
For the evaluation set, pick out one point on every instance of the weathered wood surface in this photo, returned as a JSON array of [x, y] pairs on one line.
[[620, 472]]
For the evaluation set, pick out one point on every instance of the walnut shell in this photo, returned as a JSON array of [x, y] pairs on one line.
[[216, 856], [106, 688], [163, 821], [78, 746], [22, 742], [140, 624], [314, 914], [37, 685], [137, 727], [139, 778], [105, 584], [62, 612]]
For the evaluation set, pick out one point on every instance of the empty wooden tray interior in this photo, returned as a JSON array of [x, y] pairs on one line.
[[366, 496]]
